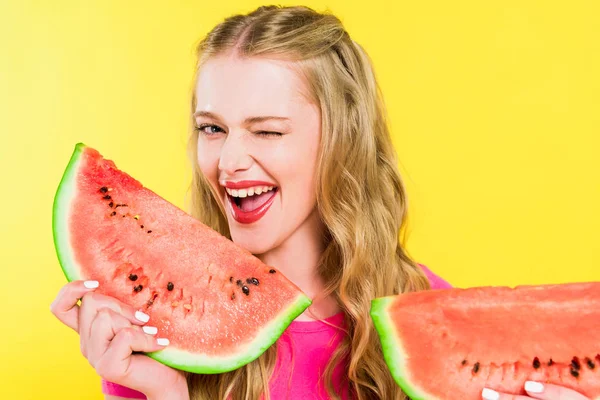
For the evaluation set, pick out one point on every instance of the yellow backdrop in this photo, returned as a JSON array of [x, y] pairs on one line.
[[495, 113]]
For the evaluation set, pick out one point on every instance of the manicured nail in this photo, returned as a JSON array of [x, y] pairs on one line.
[[534, 387], [150, 330], [91, 284], [140, 316], [489, 394], [162, 341]]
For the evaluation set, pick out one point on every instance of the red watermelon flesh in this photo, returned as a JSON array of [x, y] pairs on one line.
[[219, 306], [449, 344]]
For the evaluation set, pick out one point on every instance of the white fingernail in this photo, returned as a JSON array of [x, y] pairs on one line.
[[489, 394], [141, 316], [162, 341], [150, 330], [534, 387], [91, 284]]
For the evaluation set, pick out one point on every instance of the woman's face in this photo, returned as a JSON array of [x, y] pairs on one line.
[[257, 145]]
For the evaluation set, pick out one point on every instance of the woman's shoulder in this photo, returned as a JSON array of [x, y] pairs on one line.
[[435, 281]]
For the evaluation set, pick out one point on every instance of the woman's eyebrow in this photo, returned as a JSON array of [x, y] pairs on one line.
[[248, 121]]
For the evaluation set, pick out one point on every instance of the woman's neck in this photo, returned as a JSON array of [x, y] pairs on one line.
[[298, 258]]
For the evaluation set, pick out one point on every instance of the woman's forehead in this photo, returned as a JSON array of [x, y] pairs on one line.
[[238, 87]]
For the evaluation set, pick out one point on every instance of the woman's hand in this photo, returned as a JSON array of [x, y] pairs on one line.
[[536, 390], [109, 332]]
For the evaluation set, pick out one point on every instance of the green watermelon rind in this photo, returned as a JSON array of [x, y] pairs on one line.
[[393, 351], [171, 356], [60, 221], [190, 362]]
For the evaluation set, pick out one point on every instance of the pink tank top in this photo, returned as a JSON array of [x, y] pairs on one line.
[[303, 352]]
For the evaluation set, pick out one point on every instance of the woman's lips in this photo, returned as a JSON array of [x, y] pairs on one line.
[[248, 217]]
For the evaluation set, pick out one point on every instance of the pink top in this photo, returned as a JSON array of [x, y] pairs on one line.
[[303, 351]]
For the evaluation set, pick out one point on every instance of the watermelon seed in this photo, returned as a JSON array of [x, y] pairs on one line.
[[550, 362], [133, 277], [245, 290], [598, 357], [149, 231], [536, 363], [112, 214], [575, 373], [121, 205], [271, 271], [575, 364], [170, 286], [253, 281], [136, 217], [111, 204], [476, 368], [238, 282], [138, 288], [464, 362], [103, 189], [231, 279], [590, 363], [107, 197], [142, 226]]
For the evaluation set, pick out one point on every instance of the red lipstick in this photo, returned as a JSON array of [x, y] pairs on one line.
[[248, 217]]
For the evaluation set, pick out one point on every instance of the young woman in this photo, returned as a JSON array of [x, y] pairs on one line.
[[293, 161]]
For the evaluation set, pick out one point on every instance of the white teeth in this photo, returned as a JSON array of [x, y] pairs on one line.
[[249, 191]]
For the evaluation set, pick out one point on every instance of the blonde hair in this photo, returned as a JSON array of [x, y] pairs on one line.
[[364, 256]]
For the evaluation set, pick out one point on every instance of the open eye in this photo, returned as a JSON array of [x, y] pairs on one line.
[[212, 129]]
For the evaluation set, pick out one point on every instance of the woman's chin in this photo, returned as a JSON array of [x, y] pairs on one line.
[[253, 244]]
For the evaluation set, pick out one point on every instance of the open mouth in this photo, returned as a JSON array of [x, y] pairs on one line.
[[250, 204]]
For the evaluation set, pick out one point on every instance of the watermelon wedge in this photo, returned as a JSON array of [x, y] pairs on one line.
[[219, 306], [449, 344]]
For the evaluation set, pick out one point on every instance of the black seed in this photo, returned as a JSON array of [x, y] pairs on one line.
[[123, 216], [238, 282], [464, 362], [575, 364], [120, 205], [112, 214], [590, 363], [476, 368], [245, 290], [536, 363], [550, 362], [575, 373], [111, 204], [142, 226], [170, 286], [271, 271], [149, 231], [107, 197], [138, 288], [231, 279], [103, 189], [252, 281], [598, 357], [133, 277]]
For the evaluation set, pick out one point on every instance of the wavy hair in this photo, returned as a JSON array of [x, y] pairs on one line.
[[364, 257]]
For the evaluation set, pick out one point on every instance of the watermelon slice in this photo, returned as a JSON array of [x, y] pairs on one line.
[[219, 306], [449, 344]]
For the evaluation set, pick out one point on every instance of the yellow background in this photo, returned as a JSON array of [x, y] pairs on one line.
[[495, 110]]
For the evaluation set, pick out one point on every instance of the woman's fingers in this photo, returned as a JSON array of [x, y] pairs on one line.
[[489, 394], [65, 307], [118, 363], [103, 329], [91, 303], [536, 390]]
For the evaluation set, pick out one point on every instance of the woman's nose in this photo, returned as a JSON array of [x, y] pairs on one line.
[[235, 155]]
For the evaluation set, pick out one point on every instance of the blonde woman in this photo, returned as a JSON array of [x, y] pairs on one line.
[[293, 161]]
